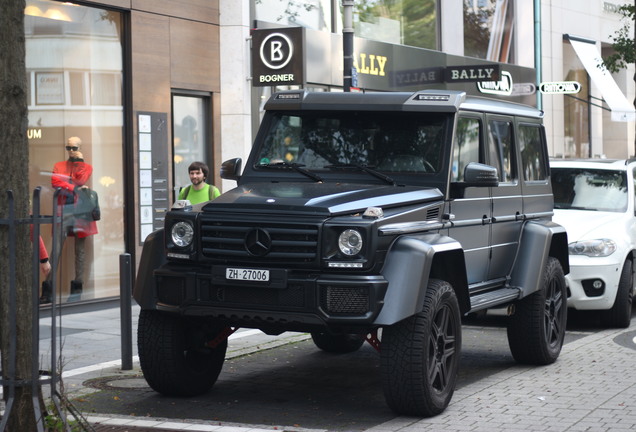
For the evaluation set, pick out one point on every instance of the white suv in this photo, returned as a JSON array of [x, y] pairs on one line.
[[594, 201]]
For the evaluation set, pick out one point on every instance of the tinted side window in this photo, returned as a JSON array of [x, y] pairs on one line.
[[533, 158], [466, 146], [500, 149]]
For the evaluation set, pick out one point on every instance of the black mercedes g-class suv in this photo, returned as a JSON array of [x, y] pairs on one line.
[[382, 217]]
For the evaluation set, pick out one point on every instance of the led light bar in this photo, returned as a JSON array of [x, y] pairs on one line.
[[345, 265]]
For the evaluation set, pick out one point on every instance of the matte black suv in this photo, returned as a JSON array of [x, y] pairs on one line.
[[382, 217]]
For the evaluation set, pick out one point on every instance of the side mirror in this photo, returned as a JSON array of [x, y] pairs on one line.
[[475, 175], [480, 175], [231, 169]]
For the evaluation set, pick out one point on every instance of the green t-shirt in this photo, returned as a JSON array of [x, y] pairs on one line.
[[206, 193]]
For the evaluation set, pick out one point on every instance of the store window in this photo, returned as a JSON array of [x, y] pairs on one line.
[[401, 22], [74, 62], [489, 30], [190, 137], [576, 115]]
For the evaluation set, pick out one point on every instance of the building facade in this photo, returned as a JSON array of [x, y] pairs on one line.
[[151, 85]]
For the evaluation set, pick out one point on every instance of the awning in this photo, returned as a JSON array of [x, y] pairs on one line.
[[622, 109]]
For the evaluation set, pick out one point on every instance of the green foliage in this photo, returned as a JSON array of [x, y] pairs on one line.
[[624, 44], [54, 424]]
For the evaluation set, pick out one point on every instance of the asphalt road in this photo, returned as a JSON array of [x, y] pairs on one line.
[[297, 384]]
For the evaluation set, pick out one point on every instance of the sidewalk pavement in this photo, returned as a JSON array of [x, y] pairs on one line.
[[592, 386]]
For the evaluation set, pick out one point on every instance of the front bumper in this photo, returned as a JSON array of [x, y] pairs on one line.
[[292, 301], [580, 279]]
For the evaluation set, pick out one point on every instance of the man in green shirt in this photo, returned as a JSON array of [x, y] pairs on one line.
[[199, 191]]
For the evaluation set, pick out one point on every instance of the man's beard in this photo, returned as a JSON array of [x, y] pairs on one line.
[[197, 182]]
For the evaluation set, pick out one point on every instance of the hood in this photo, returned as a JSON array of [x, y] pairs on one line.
[[587, 225], [327, 199]]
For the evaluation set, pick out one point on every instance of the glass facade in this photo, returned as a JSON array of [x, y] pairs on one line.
[[400, 22], [74, 61], [190, 136], [576, 115], [313, 14], [489, 30]]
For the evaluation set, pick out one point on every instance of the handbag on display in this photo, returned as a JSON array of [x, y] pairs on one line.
[[87, 205]]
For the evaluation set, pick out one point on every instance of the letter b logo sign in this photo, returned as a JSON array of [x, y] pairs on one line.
[[276, 51]]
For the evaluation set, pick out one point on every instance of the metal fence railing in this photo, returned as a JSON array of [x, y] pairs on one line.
[[38, 379]]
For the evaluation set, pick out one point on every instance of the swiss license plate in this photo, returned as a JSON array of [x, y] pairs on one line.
[[247, 274]]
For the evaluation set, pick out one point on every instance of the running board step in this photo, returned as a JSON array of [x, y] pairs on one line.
[[493, 298]]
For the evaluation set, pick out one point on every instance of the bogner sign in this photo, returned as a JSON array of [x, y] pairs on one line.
[[277, 57]]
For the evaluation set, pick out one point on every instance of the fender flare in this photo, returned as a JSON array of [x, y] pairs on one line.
[[152, 257], [539, 240], [410, 262]]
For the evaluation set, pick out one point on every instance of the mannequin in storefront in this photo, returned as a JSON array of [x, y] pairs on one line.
[[71, 177], [199, 191]]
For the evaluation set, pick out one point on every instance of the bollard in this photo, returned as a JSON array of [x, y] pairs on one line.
[[125, 299]]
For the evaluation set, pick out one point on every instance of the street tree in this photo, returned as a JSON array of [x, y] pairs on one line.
[[15, 164], [623, 42]]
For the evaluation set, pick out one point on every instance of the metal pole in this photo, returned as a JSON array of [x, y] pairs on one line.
[[537, 51], [125, 298], [347, 43]]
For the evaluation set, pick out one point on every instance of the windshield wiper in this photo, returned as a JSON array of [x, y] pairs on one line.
[[368, 170], [295, 166]]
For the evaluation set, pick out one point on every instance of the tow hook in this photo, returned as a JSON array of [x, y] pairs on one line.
[[225, 333]]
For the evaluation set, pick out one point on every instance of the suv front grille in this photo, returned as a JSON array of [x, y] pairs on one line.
[[260, 242]]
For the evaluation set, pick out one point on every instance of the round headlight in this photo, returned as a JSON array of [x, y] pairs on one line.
[[182, 234], [350, 242]]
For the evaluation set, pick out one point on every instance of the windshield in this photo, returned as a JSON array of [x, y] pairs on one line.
[[589, 189], [400, 142]]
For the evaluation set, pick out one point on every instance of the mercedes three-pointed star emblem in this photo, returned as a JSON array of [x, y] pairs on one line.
[[258, 242]]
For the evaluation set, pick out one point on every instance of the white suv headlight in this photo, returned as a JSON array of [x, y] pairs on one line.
[[350, 242], [182, 234], [593, 248]]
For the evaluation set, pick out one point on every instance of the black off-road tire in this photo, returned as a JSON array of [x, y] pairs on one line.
[[420, 355], [537, 328], [338, 343], [620, 315], [172, 363]]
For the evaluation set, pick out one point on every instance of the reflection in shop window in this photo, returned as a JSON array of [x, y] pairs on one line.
[[313, 14], [405, 22], [489, 30], [105, 88], [74, 63], [77, 87]]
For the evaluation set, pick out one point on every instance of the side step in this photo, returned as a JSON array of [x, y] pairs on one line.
[[493, 298]]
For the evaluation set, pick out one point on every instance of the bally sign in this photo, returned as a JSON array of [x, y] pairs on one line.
[[454, 74], [277, 57]]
